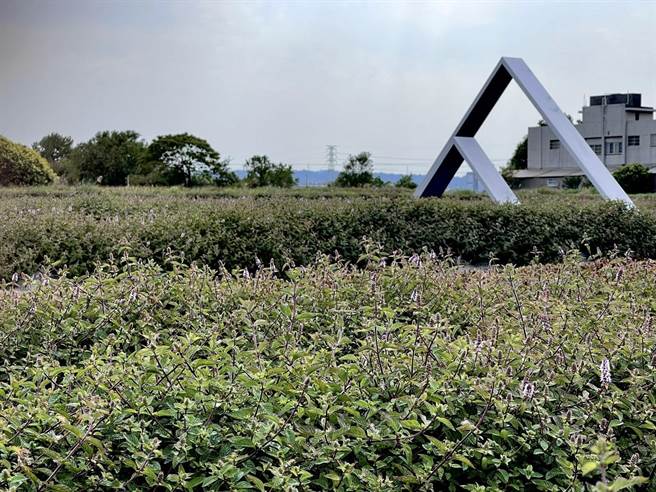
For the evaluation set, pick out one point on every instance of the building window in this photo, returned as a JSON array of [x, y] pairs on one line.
[[637, 116], [596, 148], [633, 140], [653, 140], [554, 144], [613, 148], [552, 182]]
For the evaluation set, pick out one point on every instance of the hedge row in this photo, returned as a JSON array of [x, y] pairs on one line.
[[80, 230], [408, 374]]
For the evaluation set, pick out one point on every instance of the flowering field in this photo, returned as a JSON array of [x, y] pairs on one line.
[[406, 373]]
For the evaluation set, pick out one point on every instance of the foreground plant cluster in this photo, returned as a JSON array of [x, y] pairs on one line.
[[408, 373]]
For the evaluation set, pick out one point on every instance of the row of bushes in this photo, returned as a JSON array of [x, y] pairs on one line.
[[80, 229], [408, 374]]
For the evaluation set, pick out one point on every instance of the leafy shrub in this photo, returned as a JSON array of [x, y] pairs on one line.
[[79, 228], [20, 165], [358, 172], [408, 374], [263, 172], [634, 178], [406, 182], [572, 182], [467, 195]]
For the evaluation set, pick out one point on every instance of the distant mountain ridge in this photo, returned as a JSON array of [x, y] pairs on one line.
[[324, 177]]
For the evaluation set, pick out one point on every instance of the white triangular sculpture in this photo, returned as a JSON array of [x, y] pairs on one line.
[[463, 146]]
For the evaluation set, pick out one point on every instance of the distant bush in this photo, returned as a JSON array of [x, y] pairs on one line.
[[635, 178], [406, 182], [466, 195], [20, 165], [358, 172], [262, 172], [572, 182]]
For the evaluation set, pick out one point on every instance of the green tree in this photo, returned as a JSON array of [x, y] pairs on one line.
[[406, 182], [188, 160], [358, 172], [263, 172], [109, 157], [634, 178], [519, 160], [55, 148], [20, 165]]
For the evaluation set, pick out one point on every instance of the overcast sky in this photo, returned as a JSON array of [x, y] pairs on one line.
[[287, 78]]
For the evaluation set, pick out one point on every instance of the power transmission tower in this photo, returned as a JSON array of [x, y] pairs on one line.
[[331, 154]]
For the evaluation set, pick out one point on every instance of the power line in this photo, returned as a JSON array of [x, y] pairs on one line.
[[418, 159], [376, 156]]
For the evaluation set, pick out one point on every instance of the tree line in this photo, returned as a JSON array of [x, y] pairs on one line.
[[118, 158]]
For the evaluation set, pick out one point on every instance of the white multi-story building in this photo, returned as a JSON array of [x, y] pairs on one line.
[[616, 126]]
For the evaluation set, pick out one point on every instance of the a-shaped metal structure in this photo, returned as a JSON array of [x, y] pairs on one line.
[[462, 145]]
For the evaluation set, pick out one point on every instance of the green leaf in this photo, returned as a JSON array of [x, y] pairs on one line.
[[465, 460], [210, 480], [357, 432], [411, 424], [168, 412], [194, 482], [73, 430], [446, 422], [624, 483], [95, 442], [259, 485], [333, 476], [588, 467], [243, 442]]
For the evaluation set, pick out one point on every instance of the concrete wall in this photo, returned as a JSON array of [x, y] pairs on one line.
[[534, 147], [540, 155], [645, 152], [593, 120], [541, 183]]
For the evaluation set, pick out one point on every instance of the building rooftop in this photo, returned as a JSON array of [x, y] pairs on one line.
[[632, 100]]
